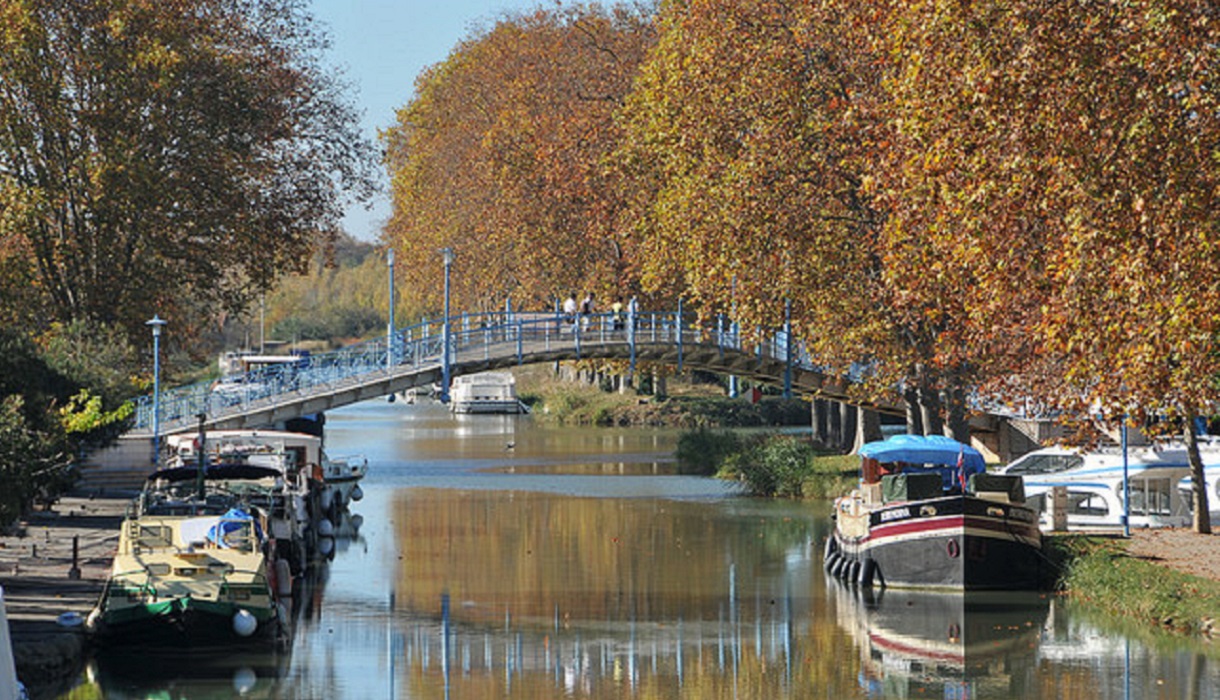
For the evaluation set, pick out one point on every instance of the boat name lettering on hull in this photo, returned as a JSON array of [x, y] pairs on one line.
[[896, 514]]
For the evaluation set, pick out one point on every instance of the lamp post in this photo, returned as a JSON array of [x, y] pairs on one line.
[[447, 253], [389, 334], [156, 322]]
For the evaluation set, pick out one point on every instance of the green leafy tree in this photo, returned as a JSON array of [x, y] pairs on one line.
[[35, 453], [164, 157]]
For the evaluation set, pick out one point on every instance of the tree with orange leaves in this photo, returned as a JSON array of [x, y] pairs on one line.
[[1059, 159], [499, 157]]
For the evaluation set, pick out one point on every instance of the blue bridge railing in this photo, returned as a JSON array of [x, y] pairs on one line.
[[483, 336]]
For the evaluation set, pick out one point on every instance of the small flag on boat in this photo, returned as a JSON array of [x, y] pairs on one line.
[[961, 468]]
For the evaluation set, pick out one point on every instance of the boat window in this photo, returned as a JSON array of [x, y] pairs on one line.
[[1150, 497], [1085, 503], [154, 536], [1044, 464]]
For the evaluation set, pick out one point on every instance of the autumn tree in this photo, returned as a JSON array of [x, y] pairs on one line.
[[173, 158], [1069, 183], [499, 156], [757, 133]]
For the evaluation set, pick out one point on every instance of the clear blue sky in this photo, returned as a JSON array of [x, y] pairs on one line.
[[381, 46]]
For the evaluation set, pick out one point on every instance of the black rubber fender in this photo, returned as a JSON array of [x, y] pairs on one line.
[[868, 571]]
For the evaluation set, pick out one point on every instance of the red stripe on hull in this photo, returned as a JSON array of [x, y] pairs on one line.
[[935, 527]]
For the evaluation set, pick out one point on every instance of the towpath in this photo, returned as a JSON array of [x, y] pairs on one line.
[[1181, 549], [36, 562]]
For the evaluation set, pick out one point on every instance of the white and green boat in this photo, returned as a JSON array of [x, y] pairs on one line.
[[192, 573]]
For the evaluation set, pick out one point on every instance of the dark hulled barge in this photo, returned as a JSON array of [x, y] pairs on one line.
[[928, 515]]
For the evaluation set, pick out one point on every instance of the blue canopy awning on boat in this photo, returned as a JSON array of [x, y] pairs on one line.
[[925, 449], [233, 520]]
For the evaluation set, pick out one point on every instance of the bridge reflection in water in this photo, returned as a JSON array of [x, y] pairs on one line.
[[587, 658]]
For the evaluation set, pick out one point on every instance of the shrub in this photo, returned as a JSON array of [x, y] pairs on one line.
[[775, 465], [704, 451]]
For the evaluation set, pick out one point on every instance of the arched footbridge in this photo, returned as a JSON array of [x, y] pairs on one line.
[[414, 357]]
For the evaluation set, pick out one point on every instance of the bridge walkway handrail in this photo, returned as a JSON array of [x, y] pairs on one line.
[[494, 336]]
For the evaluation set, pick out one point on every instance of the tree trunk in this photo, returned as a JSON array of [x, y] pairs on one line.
[[959, 428], [834, 428], [929, 412], [869, 423], [847, 437], [914, 419], [818, 421], [1202, 511]]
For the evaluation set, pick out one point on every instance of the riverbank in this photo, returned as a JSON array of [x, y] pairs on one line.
[[687, 405], [1165, 579], [42, 582]]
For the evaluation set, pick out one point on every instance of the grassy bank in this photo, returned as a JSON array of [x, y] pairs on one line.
[[1099, 572], [689, 406]]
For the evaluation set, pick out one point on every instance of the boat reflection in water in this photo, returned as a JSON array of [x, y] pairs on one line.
[[208, 675], [951, 645]]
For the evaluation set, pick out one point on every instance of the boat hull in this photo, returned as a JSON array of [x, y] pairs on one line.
[[483, 406], [951, 543], [185, 623]]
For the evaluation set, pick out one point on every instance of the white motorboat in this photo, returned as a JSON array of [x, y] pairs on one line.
[[485, 392], [1093, 481], [303, 505]]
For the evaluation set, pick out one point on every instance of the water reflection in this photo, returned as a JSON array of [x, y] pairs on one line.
[[539, 593], [214, 675], [467, 580], [924, 644]]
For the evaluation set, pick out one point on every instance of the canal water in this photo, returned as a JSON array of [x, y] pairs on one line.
[[497, 558]]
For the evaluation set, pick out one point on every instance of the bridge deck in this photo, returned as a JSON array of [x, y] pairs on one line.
[[415, 358]]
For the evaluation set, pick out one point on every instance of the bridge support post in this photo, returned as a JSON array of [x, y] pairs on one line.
[[787, 348], [678, 333], [445, 331]]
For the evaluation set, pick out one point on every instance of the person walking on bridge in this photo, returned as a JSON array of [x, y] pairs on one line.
[[586, 311], [569, 309]]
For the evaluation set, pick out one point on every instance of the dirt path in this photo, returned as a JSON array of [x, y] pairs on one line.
[[1179, 548]]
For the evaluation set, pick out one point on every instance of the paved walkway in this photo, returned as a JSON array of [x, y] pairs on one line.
[[35, 563]]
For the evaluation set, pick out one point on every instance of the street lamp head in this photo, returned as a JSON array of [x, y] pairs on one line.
[[447, 253], [156, 322]]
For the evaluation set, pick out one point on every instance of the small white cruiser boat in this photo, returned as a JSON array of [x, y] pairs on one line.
[[305, 502], [485, 392], [1093, 480]]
